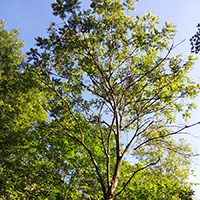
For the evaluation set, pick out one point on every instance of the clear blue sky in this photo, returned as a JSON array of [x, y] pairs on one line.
[[33, 17]]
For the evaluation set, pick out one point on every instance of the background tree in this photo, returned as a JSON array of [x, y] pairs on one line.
[[107, 69], [195, 41], [21, 108]]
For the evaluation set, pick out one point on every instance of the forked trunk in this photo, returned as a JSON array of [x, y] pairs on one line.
[[111, 190]]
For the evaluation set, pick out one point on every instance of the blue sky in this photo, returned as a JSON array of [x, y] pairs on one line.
[[33, 17]]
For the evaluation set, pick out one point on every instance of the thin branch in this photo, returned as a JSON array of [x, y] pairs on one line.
[[90, 154], [138, 170], [164, 136]]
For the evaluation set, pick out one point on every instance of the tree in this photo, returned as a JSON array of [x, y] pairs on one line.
[[195, 41], [104, 80], [107, 70], [21, 108]]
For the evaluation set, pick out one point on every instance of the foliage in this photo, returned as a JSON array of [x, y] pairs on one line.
[[104, 77], [115, 72], [195, 41], [167, 180], [21, 107]]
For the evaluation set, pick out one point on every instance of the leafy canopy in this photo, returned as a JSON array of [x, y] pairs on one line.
[[21, 108], [115, 72], [104, 76]]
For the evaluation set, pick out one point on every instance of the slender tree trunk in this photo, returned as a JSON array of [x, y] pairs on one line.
[[114, 182]]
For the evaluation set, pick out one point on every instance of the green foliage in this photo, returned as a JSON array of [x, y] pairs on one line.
[[116, 73], [101, 76], [167, 180], [21, 107]]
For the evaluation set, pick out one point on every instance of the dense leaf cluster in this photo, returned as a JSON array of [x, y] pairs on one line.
[[195, 41]]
